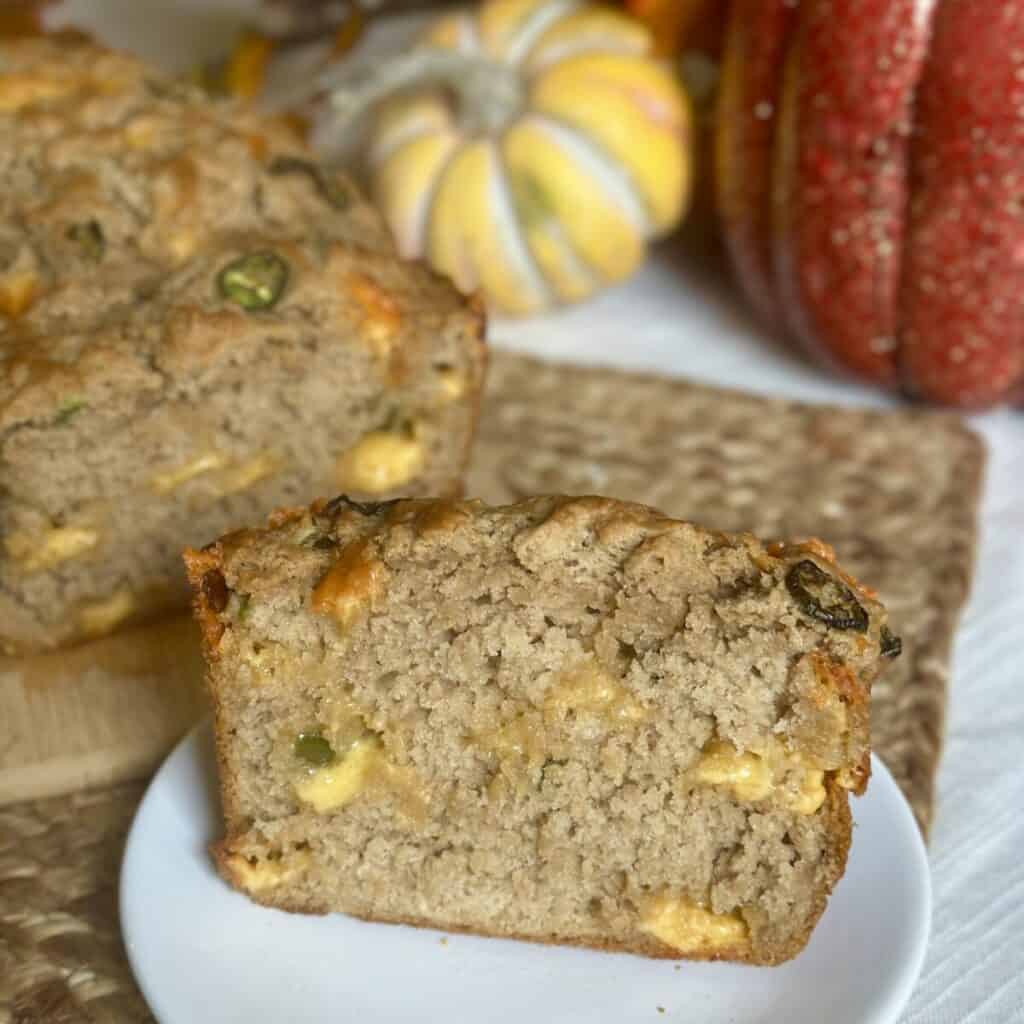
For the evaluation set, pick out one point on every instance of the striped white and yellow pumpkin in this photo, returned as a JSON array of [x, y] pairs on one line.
[[545, 179]]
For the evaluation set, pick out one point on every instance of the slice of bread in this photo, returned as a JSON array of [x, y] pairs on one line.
[[570, 720]]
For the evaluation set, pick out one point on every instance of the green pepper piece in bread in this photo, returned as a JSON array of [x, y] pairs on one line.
[[254, 281], [313, 748]]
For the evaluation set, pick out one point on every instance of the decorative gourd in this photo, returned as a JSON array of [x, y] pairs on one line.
[[870, 174], [539, 151]]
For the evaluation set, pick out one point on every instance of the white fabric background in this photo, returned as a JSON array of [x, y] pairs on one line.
[[671, 321]]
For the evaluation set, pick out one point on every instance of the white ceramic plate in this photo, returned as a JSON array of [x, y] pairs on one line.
[[202, 952]]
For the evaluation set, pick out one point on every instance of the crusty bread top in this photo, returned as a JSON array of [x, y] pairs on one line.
[[289, 560], [124, 196]]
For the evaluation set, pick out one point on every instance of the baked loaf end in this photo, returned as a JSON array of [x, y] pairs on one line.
[[197, 325], [569, 720]]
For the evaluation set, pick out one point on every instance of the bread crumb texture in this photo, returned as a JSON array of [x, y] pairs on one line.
[[569, 720], [198, 323]]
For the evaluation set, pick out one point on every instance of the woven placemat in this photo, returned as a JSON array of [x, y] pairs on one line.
[[61, 956], [895, 492]]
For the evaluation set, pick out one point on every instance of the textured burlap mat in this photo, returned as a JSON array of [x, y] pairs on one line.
[[895, 492]]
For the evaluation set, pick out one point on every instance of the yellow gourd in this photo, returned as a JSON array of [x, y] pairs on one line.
[[539, 165]]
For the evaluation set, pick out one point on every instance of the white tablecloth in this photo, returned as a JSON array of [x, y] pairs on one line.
[[670, 321]]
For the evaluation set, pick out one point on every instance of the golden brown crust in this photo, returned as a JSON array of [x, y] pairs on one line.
[[201, 567], [824, 553], [197, 565], [282, 516], [856, 698]]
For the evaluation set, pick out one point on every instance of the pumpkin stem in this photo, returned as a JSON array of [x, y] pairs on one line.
[[488, 94]]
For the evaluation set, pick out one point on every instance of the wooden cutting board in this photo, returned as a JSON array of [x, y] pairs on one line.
[[99, 713], [895, 491]]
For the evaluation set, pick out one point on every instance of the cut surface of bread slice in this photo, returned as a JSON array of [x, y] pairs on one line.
[[570, 720]]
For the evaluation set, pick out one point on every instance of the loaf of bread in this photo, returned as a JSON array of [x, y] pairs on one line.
[[197, 325], [571, 720]]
